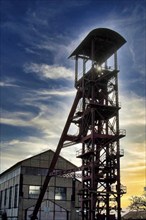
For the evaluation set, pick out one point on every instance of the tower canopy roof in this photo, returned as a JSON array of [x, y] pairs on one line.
[[106, 43]]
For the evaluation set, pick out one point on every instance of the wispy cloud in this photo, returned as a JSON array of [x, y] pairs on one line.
[[58, 92], [47, 71], [48, 121], [133, 111], [43, 114], [8, 83], [130, 24], [16, 150], [133, 118]]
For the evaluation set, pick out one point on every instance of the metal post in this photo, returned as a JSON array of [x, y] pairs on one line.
[[115, 61], [73, 210], [76, 70], [54, 198]]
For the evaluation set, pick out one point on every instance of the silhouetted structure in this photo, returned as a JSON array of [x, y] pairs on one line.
[[95, 115]]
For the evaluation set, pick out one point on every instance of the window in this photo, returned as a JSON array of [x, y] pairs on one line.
[[16, 196], [10, 197], [36, 171], [5, 198], [1, 197], [34, 191], [60, 193]]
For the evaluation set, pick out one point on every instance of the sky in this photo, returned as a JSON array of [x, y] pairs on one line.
[[37, 78]]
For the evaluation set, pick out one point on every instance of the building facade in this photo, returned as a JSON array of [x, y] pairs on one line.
[[21, 184]]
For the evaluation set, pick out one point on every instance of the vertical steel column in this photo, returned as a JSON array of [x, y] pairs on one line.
[[107, 162], [92, 211], [118, 143], [82, 135], [115, 61], [76, 70]]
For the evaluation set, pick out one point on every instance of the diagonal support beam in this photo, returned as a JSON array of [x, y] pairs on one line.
[[56, 155]]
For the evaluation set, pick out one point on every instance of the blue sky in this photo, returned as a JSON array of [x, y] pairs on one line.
[[37, 78]]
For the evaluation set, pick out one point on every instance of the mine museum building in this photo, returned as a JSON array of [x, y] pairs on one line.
[[20, 186]]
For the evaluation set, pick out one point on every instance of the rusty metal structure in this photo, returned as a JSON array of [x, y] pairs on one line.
[[95, 116]]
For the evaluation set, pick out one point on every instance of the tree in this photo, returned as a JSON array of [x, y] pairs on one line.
[[138, 203]]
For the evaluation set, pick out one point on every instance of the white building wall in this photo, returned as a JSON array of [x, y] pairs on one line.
[[32, 172], [9, 191]]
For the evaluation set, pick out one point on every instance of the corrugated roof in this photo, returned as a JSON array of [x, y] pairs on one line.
[[107, 42], [20, 162]]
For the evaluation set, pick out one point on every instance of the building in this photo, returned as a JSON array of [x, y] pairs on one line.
[[20, 186]]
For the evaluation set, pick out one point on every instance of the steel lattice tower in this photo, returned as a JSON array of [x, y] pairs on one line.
[[95, 114]]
